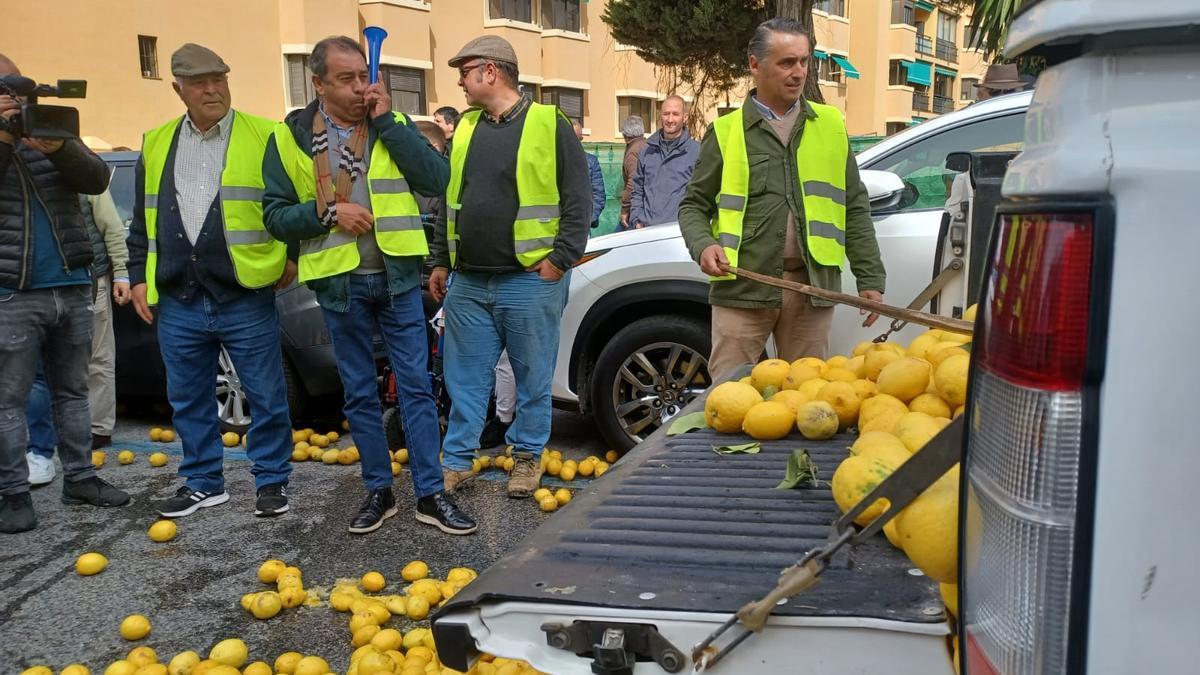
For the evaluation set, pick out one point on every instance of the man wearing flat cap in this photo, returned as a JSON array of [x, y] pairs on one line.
[[199, 252], [518, 211]]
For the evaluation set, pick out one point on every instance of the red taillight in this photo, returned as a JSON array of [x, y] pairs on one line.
[[1038, 301], [1025, 443]]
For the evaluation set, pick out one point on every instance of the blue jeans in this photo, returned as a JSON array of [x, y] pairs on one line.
[[50, 326], [190, 336], [485, 314], [39, 416], [400, 318]]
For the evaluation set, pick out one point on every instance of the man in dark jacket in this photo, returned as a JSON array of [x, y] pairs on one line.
[[664, 169], [45, 308], [340, 177], [596, 175]]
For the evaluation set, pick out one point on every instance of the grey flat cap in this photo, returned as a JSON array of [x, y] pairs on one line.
[[491, 47], [192, 59]]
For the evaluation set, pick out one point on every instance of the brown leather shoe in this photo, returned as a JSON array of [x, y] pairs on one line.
[[451, 479], [526, 475]]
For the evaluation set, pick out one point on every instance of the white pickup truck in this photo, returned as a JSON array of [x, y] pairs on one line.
[[1080, 456]]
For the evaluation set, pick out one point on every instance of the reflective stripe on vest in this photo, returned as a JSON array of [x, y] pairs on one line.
[[398, 230], [257, 258], [821, 158], [536, 224]]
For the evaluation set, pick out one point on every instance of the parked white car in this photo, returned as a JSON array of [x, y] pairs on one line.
[[636, 330]]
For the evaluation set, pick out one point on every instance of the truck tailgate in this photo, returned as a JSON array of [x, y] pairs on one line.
[[676, 527]]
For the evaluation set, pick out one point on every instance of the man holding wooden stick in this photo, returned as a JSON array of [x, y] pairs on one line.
[[776, 191]]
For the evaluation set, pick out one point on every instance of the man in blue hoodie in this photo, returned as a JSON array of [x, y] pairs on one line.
[[664, 168]]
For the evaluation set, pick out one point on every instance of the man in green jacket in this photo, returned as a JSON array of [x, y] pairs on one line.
[[769, 194]]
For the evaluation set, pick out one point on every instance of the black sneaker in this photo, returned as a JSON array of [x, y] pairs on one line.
[[272, 500], [437, 510], [16, 514], [378, 507], [187, 501], [493, 433], [93, 491]]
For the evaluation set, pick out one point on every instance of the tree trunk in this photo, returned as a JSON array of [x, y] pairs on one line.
[[802, 11]]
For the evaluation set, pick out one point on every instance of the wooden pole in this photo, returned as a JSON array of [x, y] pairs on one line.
[[904, 314]]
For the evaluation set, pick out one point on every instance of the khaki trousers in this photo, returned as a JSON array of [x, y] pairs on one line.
[[102, 389], [739, 335]]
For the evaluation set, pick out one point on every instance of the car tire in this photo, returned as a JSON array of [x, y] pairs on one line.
[[393, 427], [676, 349], [233, 408]]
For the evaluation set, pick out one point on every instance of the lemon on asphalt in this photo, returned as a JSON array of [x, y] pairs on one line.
[[163, 530], [90, 563], [230, 652], [135, 627]]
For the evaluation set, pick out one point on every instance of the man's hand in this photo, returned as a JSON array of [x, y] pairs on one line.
[[870, 295], [140, 305], [378, 101], [639, 225], [9, 107], [437, 283], [711, 260], [46, 146], [354, 219], [288, 276], [546, 270], [120, 292]]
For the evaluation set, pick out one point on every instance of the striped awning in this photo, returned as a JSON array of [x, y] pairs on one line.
[[847, 67], [945, 72], [920, 73]]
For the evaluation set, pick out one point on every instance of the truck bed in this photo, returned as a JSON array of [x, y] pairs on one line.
[[676, 527]]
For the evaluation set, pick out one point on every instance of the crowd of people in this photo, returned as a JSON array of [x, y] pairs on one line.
[[230, 206]]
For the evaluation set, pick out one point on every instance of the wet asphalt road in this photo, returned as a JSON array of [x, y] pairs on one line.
[[190, 587]]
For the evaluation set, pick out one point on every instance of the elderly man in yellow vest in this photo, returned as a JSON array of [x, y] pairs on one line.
[[518, 210], [341, 175], [198, 250], [776, 191]]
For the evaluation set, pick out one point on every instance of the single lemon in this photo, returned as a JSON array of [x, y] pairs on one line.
[[168, 436], [266, 605], [768, 421], [817, 420], [268, 572], [854, 479], [418, 608], [312, 665], [98, 457], [135, 627], [257, 668], [230, 652], [285, 663], [414, 570], [844, 400], [373, 582], [90, 563], [562, 496], [125, 457], [163, 530], [727, 405], [548, 503], [230, 439]]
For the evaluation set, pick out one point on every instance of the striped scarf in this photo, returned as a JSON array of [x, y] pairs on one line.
[[350, 168]]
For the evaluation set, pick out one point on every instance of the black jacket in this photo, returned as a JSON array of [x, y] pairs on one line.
[[56, 180]]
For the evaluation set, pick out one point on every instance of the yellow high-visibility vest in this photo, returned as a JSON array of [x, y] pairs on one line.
[[398, 229], [821, 170], [536, 225], [257, 257]]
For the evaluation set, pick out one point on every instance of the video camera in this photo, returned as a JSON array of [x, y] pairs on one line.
[[38, 120]]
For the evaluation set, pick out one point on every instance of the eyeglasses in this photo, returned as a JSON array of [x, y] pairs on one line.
[[463, 71]]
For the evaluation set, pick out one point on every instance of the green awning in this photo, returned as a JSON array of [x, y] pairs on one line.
[[923, 4], [819, 55], [946, 72], [920, 73], [847, 67]]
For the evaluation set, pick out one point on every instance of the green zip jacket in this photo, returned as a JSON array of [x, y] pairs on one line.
[[774, 191]]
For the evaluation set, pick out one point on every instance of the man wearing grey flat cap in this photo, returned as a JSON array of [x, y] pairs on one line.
[[518, 212], [198, 251]]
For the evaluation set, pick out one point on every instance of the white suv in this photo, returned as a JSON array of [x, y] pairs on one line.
[[635, 333]]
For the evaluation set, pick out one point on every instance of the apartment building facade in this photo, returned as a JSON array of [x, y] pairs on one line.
[[886, 63]]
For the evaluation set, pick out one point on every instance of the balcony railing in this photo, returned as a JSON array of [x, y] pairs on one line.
[[924, 44], [947, 50], [920, 101], [941, 104]]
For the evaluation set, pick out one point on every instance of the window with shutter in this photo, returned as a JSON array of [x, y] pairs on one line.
[[638, 107], [513, 10], [569, 101], [148, 56], [561, 15], [300, 86], [406, 86]]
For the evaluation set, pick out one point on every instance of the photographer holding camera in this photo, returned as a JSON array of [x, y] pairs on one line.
[[45, 307]]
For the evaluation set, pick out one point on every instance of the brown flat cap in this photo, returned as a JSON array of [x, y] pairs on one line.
[[192, 59], [491, 47]]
